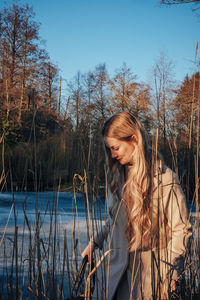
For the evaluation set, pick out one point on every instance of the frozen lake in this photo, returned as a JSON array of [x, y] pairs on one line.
[[44, 217], [45, 202]]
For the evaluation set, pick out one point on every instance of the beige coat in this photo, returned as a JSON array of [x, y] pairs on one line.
[[151, 267]]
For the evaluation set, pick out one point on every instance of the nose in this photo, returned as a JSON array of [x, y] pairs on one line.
[[114, 154]]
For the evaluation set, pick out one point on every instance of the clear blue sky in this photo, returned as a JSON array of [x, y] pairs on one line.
[[81, 34]]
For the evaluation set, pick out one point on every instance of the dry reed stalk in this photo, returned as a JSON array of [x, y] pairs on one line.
[[98, 264], [30, 246], [191, 124], [55, 237], [5, 267], [50, 233], [87, 205], [196, 242], [23, 281], [21, 265], [38, 281], [43, 282], [158, 217], [197, 168], [3, 176], [63, 269], [78, 241], [110, 236], [83, 181], [16, 261], [74, 244], [133, 281], [67, 260], [88, 218], [76, 209], [174, 158], [193, 96], [5, 228]]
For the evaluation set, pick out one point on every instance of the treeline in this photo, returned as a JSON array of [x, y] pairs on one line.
[[49, 133]]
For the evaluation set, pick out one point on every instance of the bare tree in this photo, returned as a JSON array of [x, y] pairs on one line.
[[19, 57], [163, 88], [28, 54], [100, 92], [76, 92], [170, 2], [173, 2], [127, 94], [186, 95], [48, 83], [11, 25]]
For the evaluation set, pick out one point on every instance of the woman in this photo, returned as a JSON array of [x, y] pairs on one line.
[[145, 237]]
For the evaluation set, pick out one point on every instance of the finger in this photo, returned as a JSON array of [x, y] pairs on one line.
[[83, 254], [173, 285], [173, 288]]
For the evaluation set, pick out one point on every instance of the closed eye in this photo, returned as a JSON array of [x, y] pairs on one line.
[[115, 148]]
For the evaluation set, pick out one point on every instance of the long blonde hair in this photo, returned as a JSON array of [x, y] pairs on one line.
[[136, 190]]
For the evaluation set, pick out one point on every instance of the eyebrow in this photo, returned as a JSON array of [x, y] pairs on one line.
[[114, 146]]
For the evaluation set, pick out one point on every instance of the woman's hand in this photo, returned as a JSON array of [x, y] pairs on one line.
[[173, 285], [88, 251], [164, 289]]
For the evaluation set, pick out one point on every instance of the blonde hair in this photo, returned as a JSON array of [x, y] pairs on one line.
[[136, 191]]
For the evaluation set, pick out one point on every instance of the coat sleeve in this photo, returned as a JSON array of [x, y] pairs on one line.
[[178, 224], [102, 234]]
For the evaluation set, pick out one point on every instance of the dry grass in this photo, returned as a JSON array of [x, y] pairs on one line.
[[40, 261]]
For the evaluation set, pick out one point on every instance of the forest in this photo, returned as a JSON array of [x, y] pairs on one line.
[[50, 141], [50, 127]]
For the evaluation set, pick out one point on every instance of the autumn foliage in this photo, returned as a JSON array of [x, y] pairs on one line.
[[49, 133]]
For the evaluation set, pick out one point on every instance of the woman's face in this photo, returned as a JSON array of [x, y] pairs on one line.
[[121, 150]]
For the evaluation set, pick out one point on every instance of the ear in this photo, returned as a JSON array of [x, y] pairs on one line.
[[134, 138]]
